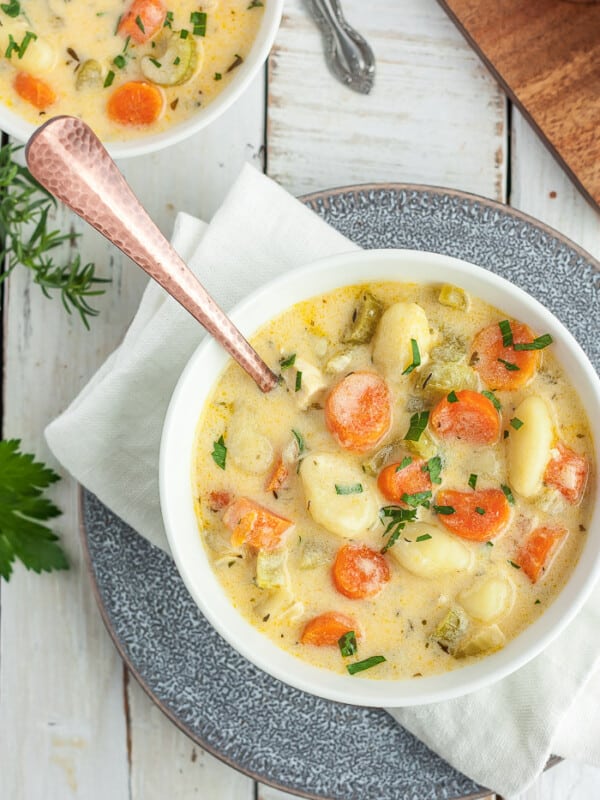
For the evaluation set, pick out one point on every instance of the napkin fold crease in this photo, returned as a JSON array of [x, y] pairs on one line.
[[500, 736]]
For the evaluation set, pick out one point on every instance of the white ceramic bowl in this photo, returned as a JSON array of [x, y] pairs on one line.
[[181, 421], [16, 126]]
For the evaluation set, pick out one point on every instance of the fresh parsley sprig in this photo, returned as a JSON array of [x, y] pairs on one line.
[[22, 510], [26, 238]]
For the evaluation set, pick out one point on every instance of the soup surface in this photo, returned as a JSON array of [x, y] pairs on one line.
[[124, 67], [412, 495]]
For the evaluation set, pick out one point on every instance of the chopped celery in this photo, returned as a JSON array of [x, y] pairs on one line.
[[452, 348], [270, 568], [453, 297], [364, 320], [450, 630], [379, 459], [315, 554], [172, 61], [425, 447], [482, 640], [89, 75], [446, 377]]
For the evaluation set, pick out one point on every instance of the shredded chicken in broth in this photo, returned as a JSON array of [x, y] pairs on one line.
[[414, 493], [124, 67]]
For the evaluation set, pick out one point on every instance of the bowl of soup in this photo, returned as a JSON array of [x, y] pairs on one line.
[[410, 514], [144, 74]]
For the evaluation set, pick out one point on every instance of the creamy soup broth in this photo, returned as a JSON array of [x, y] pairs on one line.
[[425, 619], [83, 55]]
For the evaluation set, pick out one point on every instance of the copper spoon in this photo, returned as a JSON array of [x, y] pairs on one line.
[[68, 159]]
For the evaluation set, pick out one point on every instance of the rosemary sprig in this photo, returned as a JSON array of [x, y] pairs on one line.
[[25, 238]]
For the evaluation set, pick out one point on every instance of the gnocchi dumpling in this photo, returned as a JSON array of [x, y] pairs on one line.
[[529, 446], [431, 552], [339, 496], [250, 451], [489, 598], [392, 348]]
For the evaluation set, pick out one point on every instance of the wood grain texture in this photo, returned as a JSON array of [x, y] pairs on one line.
[[546, 54]]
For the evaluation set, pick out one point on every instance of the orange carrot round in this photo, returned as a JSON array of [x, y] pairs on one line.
[[34, 90], [328, 628], [135, 103], [278, 477], [359, 572], [254, 525], [567, 471], [478, 515], [395, 482], [504, 367], [143, 19], [358, 411], [471, 417], [535, 556]]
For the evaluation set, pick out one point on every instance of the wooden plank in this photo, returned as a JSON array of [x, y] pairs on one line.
[[434, 115], [546, 54]]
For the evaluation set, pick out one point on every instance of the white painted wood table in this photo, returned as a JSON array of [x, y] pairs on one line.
[[72, 724]]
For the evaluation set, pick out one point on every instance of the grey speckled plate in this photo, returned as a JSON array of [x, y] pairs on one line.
[[264, 728]]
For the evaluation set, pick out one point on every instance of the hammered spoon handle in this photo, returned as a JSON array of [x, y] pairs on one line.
[[69, 160]]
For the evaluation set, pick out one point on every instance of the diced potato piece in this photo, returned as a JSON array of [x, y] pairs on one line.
[[279, 605], [482, 640], [454, 297], [249, 450], [429, 558], [450, 630], [308, 387], [446, 377], [365, 319], [529, 446], [452, 348], [271, 572], [347, 510], [489, 598], [315, 554], [392, 350]]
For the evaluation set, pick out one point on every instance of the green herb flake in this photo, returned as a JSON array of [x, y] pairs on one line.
[[444, 511], [198, 20], [506, 331], [218, 76], [12, 47], [361, 666], [516, 423], [472, 480], [512, 563], [286, 363], [168, 23], [398, 518], [156, 63], [406, 462], [110, 76], [255, 4], [423, 537], [299, 440], [417, 499], [493, 399], [176, 60], [347, 644], [219, 453], [416, 357], [348, 488], [434, 467], [120, 61], [140, 24], [489, 544], [452, 398], [298, 385], [508, 494], [184, 34], [12, 9], [418, 423], [479, 510], [538, 344], [509, 365], [537, 602]]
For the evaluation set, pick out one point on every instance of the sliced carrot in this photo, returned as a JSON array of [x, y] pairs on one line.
[[358, 411], [135, 103], [359, 571], [278, 477], [218, 500], [535, 556], [394, 482], [254, 525], [327, 629], [567, 471], [34, 90], [478, 515], [472, 417], [143, 19], [504, 367]]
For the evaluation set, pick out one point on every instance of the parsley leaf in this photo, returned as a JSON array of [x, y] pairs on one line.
[[347, 644], [434, 468], [219, 453], [416, 357], [22, 508], [418, 423]]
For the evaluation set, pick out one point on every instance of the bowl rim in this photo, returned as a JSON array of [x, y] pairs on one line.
[[18, 127], [364, 266]]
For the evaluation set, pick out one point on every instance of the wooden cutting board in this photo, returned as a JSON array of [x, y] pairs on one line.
[[546, 55]]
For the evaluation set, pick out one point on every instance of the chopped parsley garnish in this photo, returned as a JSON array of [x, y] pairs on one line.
[[489, 544], [416, 357], [516, 423], [509, 365], [298, 381], [13, 47], [398, 518], [445, 511], [452, 398], [110, 76], [406, 461], [198, 20], [434, 467], [120, 61], [29, 37], [418, 423], [360, 666], [537, 602], [218, 76], [12, 9], [479, 510], [168, 23], [472, 480], [255, 4], [299, 440], [347, 644], [156, 63], [417, 499], [19, 49], [219, 452], [348, 488], [538, 344], [493, 399], [508, 494], [176, 60], [512, 563], [140, 24], [286, 363], [184, 34], [423, 537], [506, 331]]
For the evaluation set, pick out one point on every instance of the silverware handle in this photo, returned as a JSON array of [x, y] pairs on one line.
[[69, 160], [331, 12]]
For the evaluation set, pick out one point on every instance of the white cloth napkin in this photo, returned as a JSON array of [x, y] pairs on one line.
[[500, 736]]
